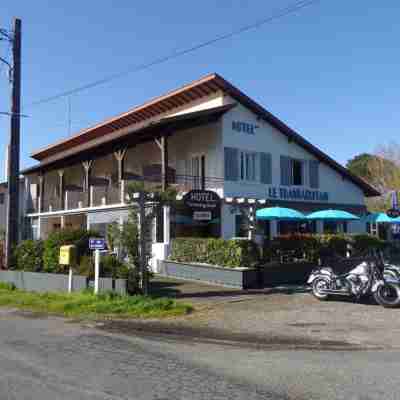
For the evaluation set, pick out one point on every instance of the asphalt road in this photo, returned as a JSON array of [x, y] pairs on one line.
[[49, 358]]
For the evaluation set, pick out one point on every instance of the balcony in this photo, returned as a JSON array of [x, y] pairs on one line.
[[74, 198]]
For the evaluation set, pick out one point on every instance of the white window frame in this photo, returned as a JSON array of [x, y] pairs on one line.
[[191, 176], [242, 157]]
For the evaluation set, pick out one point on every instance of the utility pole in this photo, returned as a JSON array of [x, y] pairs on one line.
[[14, 147]]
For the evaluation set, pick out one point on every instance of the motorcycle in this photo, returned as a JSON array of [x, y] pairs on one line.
[[392, 273], [370, 277]]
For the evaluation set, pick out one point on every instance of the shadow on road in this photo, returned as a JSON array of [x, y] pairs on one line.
[[183, 289]]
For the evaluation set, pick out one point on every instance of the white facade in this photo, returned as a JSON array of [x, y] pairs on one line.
[[268, 139], [247, 134]]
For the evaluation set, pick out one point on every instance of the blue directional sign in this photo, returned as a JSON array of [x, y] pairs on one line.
[[97, 243]]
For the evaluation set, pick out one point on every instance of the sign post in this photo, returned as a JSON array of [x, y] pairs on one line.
[[97, 244], [394, 212], [68, 257], [96, 270]]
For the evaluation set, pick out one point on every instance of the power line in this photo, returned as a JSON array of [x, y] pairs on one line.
[[298, 5]]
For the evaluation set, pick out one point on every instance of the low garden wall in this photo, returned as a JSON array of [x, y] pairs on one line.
[[286, 274], [241, 278], [44, 282]]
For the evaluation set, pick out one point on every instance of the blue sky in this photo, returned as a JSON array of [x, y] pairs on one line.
[[330, 71]]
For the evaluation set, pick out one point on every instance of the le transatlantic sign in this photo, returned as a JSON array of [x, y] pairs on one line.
[[290, 193]]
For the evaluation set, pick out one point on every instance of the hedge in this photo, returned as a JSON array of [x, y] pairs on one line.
[[312, 247], [51, 253], [28, 256], [224, 253]]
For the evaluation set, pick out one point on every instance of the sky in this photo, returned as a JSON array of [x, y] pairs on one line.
[[330, 70]]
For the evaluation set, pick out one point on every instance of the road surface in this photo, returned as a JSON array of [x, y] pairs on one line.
[[51, 358]]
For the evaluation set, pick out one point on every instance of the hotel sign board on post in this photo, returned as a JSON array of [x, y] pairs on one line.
[[97, 243], [394, 211], [205, 204]]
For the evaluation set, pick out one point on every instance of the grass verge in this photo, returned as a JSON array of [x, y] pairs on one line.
[[86, 304]]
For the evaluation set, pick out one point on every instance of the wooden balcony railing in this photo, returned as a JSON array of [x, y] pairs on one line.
[[116, 193]]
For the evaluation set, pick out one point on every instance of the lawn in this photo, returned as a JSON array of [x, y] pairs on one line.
[[86, 304]]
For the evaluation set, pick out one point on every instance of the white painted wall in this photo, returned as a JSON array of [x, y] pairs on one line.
[[268, 139]]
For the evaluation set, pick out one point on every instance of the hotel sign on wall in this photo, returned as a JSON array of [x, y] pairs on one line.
[[205, 204], [244, 127], [290, 193]]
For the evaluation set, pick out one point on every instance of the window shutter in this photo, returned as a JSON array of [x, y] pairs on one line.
[[231, 164], [314, 174], [306, 175], [265, 168], [286, 171]]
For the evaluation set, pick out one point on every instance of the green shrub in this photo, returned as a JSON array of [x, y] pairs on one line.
[[225, 253], [363, 243], [111, 267], [28, 256], [297, 246], [77, 237], [313, 247]]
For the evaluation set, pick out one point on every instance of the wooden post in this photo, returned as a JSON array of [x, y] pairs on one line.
[[87, 165], [164, 162], [61, 188], [120, 157], [13, 192], [142, 237], [41, 193]]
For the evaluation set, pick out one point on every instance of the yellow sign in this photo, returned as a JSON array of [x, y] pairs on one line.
[[67, 255]]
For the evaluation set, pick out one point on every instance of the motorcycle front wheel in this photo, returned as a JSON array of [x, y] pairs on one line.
[[388, 295], [319, 286]]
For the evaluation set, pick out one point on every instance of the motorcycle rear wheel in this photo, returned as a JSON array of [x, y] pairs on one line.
[[388, 295], [318, 286]]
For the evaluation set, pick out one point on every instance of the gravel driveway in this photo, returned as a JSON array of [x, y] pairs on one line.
[[285, 313]]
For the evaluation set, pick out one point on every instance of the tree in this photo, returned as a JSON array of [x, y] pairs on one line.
[[134, 236], [359, 166], [381, 170]]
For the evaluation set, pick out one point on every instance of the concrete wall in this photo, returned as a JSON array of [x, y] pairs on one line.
[[41, 282], [240, 278]]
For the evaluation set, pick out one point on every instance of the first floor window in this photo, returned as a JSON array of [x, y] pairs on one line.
[[248, 162], [297, 172], [2, 196]]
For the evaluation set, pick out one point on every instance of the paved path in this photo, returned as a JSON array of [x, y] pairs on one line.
[[54, 359]]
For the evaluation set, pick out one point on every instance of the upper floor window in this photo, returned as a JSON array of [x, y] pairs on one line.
[[251, 166], [297, 172], [248, 163]]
